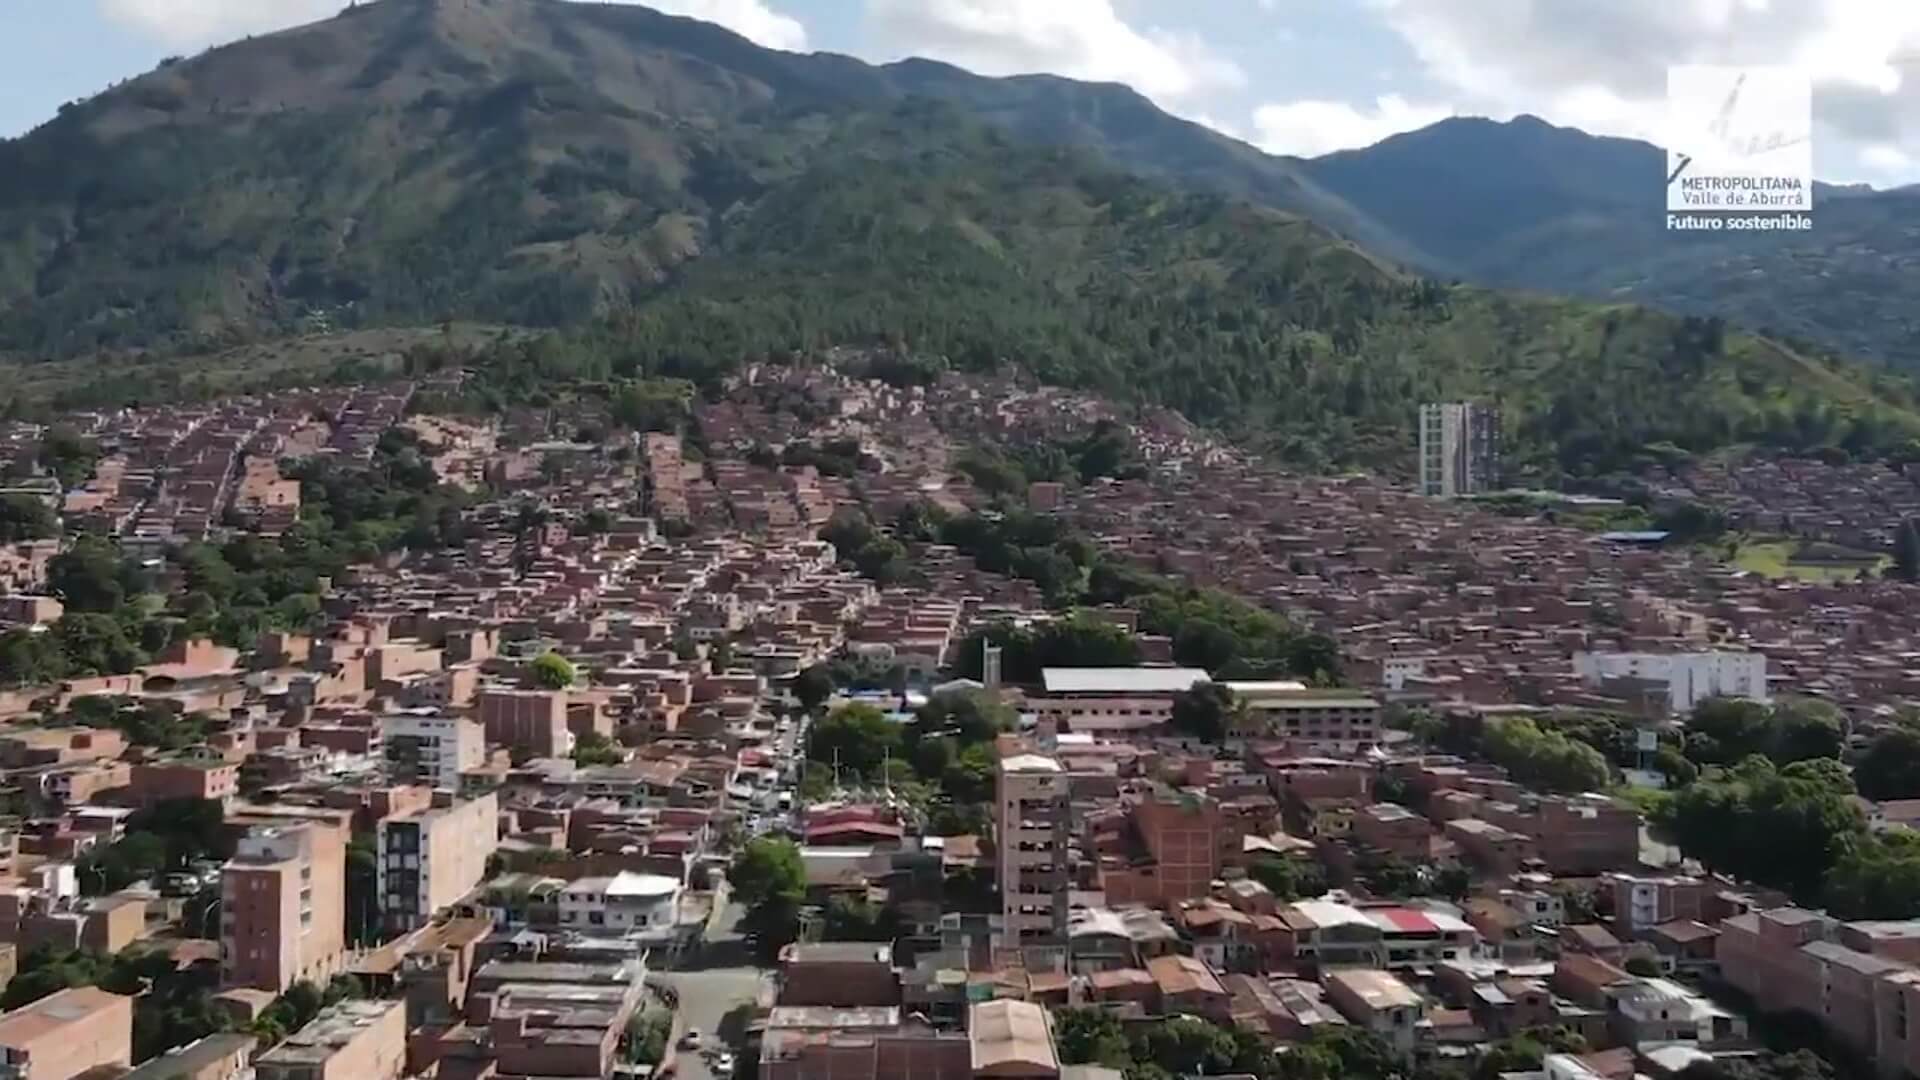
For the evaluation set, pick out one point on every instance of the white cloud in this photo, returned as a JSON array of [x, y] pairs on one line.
[[1082, 39], [1888, 159], [1602, 66], [190, 23], [1312, 128], [751, 19], [195, 23]]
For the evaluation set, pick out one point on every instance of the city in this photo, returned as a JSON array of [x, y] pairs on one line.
[[602, 751]]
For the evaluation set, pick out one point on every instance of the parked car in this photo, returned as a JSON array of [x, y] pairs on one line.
[[723, 1065], [691, 1040]]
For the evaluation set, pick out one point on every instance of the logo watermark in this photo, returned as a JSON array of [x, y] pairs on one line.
[[1739, 148]]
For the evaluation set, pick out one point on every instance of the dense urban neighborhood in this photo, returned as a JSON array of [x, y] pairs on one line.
[[853, 723]]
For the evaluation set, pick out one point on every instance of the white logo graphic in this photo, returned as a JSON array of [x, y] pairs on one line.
[[1739, 139]]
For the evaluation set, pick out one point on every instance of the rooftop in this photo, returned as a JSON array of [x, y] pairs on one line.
[[1011, 1033], [1121, 680], [335, 1027]]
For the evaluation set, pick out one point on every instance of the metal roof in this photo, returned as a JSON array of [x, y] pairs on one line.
[[1121, 680]]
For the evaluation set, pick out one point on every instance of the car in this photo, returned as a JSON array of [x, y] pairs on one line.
[[691, 1040], [723, 1065]]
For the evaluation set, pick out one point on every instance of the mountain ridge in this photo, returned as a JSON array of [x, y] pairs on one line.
[[689, 201]]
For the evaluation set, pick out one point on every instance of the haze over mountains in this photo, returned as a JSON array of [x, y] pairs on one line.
[[544, 163]]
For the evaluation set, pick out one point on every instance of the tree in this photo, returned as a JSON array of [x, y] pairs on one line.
[[1204, 711], [1544, 759], [769, 879], [26, 517], [850, 919], [766, 869], [1783, 827], [1091, 1036], [1906, 552], [813, 686], [1288, 879], [857, 737], [592, 748], [68, 455], [552, 671], [1878, 877], [88, 576], [1800, 1065], [1890, 767]]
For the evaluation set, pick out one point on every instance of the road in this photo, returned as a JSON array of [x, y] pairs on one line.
[[708, 995]]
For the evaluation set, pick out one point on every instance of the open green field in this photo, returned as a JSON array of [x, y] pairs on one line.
[[1774, 558]]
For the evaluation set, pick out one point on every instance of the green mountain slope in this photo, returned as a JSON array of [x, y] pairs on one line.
[[1532, 205], [692, 200]]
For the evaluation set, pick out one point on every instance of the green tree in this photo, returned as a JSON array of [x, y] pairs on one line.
[[1204, 711], [858, 737], [592, 748], [1783, 827], [769, 880], [813, 686], [88, 577], [1288, 879], [552, 671], [859, 919], [1890, 766], [26, 517], [1091, 1036], [68, 455]]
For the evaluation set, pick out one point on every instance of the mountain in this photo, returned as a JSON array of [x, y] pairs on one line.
[[682, 200], [1527, 204]]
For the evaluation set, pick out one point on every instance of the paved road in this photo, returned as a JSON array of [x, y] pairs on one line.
[[708, 995]]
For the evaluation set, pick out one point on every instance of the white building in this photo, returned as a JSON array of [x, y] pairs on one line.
[[1033, 822], [424, 747], [1459, 449], [1111, 699], [1689, 678], [622, 903]]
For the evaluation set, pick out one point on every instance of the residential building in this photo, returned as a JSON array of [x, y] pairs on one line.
[[625, 903], [1459, 449], [432, 858], [1642, 902], [349, 1040], [873, 1043], [430, 749], [194, 776], [1684, 679], [66, 1034], [283, 906], [840, 974], [1032, 821], [225, 1056], [1379, 1002], [531, 720], [1315, 721]]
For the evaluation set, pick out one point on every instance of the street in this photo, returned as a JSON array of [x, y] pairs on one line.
[[709, 995]]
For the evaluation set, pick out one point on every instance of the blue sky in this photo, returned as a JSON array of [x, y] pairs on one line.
[[1292, 76]]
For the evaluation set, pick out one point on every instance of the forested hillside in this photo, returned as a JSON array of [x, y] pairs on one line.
[[675, 201]]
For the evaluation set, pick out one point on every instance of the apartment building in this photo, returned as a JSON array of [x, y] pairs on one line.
[[1312, 720], [430, 749], [530, 720], [1459, 449], [350, 1040], [66, 1034], [1032, 821], [1642, 901], [431, 858], [1684, 679], [203, 775], [283, 906]]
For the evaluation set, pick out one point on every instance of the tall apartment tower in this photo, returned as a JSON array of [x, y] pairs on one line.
[[432, 859], [1459, 449], [1032, 823], [283, 899]]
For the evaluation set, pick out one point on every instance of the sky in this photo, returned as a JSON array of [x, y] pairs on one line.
[[1302, 77]]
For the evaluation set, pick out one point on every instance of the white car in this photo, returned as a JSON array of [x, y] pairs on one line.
[[691, 1040], [723, 1065]]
